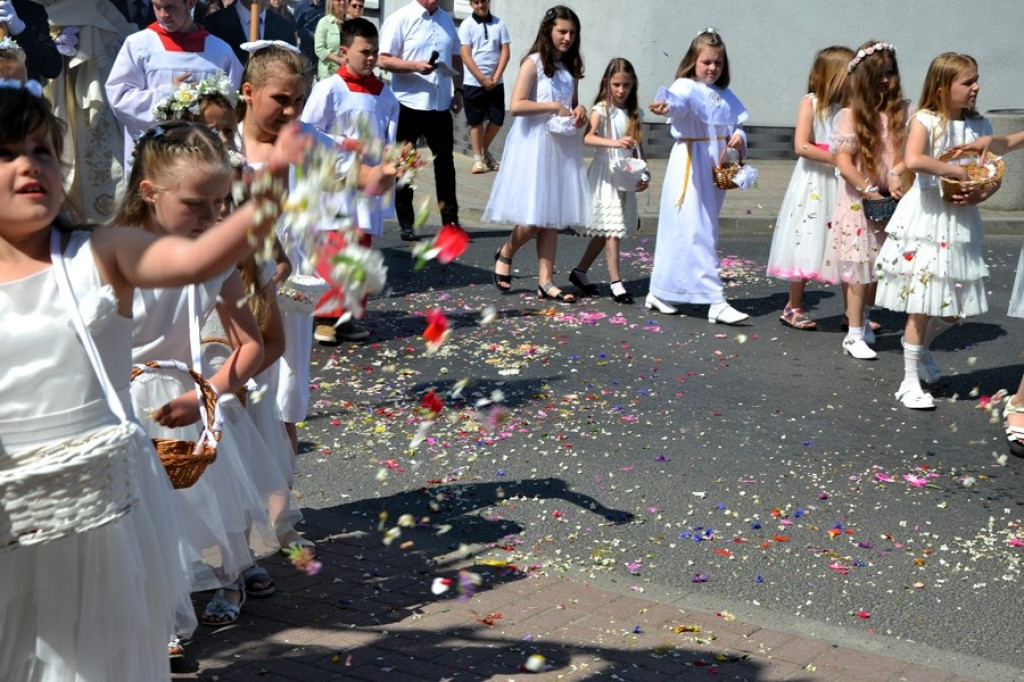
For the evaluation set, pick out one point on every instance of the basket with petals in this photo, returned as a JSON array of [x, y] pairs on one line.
[[726, 170], [980, 172], [186, 460], [66, 487], [301, 293]]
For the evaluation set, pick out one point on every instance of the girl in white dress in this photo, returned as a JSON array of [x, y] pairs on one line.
[[932, 266], [706, 117], [614, 211], [541, 185], [99, 602], [180, 178], [798, 244]]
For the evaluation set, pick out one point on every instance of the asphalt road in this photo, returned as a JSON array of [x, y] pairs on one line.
[[752, 468]]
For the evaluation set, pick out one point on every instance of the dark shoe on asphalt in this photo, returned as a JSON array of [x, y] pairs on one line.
[[409, 234]]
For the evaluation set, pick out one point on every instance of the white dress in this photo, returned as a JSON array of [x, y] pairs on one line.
[[259, 430], [542, 181], [224, 512], [798, 243], [615, 212], [932, 261], [97, 605], [686, 255]]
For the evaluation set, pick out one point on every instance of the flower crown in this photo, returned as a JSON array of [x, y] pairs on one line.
[[7, 44], [867, 52], [188, 96]]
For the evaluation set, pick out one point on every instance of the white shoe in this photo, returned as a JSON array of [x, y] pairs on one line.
[[653, 303], [857, 349], [928, 370], [914, 397], [726, 314]]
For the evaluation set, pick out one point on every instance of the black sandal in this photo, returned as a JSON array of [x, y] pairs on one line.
[[588, 290], [499, 279], [544, 294]]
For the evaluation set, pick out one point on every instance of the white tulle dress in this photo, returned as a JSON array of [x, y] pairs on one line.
[[798, 243], [224, 512], [932, 261], [97, 605], [542, 181]]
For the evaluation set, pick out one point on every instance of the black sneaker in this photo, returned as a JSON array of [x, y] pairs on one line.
[[409, 234]]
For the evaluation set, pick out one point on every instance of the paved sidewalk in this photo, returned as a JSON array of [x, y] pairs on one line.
[[370, 615]]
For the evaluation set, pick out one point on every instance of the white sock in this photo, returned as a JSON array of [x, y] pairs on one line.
[[478, 157], [911, 357], [854, 334], [617, 288]]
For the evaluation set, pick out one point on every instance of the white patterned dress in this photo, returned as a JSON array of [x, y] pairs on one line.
[[615, 212]]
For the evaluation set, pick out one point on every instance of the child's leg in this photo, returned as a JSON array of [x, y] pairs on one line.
[[503, 256], [611, 255], [853, 344], [490, 132], [796, 295], [476, 140], [578, 276], [547, 247], [910, 392]]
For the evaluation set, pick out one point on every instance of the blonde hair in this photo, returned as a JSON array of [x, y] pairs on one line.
[[704, 40], [259, 296], [828, 76], [943, 70], [159, 149], [269, 62], [867, 101]]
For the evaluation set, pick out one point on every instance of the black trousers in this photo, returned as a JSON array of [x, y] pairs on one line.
[[437, 128]]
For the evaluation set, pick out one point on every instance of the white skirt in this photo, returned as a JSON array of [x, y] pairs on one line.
[[541, 181], [615, 212], [801, 232], [224, 513], [932, 262], [98, 605]]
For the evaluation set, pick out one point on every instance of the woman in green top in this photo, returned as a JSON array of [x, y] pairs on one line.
[[327, 38]]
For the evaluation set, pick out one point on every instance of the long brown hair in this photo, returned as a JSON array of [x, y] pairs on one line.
[[868, 100], [705, 39], [159, 148], [615, 66], [543, 45], [828, 76]]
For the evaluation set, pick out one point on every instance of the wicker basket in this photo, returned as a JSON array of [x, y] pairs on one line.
[[879, 210], [301, 293], [980, 175], [724, 175], [66, 487], [185, 460]]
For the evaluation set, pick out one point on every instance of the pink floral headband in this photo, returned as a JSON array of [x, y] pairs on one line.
[[867, 52]]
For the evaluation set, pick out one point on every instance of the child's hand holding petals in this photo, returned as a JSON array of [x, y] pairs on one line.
[[659, 108], [580, 114]]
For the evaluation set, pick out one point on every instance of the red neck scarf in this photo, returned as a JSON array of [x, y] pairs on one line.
[[181, 42], [370, 84]]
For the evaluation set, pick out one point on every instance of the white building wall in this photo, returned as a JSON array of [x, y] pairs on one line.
[[772, 43]]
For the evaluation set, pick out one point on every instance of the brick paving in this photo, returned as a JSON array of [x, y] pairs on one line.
[[369, 614]]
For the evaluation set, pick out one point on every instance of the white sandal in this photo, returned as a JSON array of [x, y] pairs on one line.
[[220, 608]]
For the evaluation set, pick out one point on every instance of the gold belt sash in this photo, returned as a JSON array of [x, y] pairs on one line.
[[688, 141]]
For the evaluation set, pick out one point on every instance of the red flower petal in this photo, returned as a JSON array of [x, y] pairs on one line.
[[452, 241]]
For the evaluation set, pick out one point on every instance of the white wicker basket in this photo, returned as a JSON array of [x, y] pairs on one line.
[[67, 487], [300, 293]]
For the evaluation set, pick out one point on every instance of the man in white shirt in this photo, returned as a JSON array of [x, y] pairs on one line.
[[409, 41], [156, 60]]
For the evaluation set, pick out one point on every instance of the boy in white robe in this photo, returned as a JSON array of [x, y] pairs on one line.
[[354, 104], [155, 60]]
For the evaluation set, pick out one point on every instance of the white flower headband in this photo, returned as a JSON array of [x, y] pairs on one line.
[[33, 87], [867, 52], [257, 45], [187, 96], [709, 29], [6, 43]]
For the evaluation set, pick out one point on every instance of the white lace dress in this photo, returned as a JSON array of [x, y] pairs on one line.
[[615, 212]]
